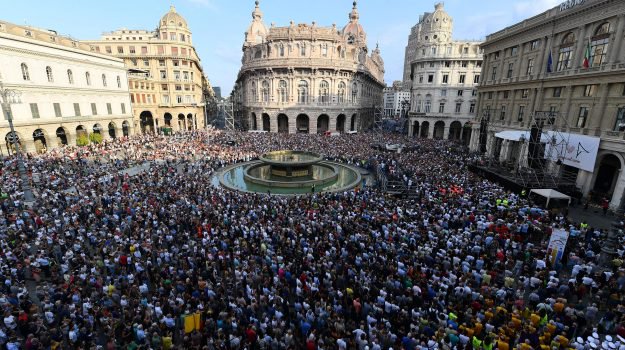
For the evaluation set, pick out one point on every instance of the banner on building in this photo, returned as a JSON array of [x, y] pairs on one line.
[[578, 151], [556, 246]]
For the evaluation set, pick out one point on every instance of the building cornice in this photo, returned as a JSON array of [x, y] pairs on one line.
[[121, 67]]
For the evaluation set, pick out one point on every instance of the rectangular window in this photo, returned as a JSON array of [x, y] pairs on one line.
[[434, 50], [77, 109], [57, 110], [476, 79], [474, 93], [421, 79], [448, 50], [443, 92], [445, 78], [557, 91], [525, 93], [179, 98], [441, 107], [465, 50], [120, 49], [490, 95], [430, 78], [172, 36], [472, 108], [493, 74], [458, 107], [177, 75], [530, 66], [149, 99], [620, 120], [187, 99], [461, 78], [590, 90], [510, 69], [131, 49], [460, 92], [109, 108], [146, 63], [521, 113], [431, 64], [166, 99], [163, 74], [514, 50], [176, 63], [447, 64], [174, 51], [182, 37], [123, 108], [506, 93], [94, 109], [465, 64], [582, 117], [144, 50], [164, 87], [502, 114], [178, 87], [34, 110], [183, 51], [161, 63], [108, 49], [160, 49], [534, 44]]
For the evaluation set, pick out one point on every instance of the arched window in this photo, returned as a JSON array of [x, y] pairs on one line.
[[70, 76], [25, 74], [324, 92], [599, 45], [49, 74], [281, 50], [119, 82], [565, 54], [428, 104], [418, 104], [254, 92], [265, 91], [341, 92], [302, 92], [354, 92], [282, 91], [103, 80], [88, 78]]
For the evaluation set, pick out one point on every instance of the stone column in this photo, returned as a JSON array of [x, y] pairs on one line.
[[584, 181], [519, 62], [582, 43], [312, 125], [598, 111], [619, 191], [332, 123], [542, 59], [446, 131], [618, 40], [567, 107], [273, 123]]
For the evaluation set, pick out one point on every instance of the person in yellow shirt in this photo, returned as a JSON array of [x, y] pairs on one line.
[[167, 342]]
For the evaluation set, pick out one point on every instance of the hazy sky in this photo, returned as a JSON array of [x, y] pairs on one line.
[[218, 25]]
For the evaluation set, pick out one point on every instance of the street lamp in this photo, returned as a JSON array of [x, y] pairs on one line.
[[9, 97]]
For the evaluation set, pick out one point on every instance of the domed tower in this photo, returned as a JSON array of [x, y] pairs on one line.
[[174, 27], [257, 31], [437, 26], [353, 31]]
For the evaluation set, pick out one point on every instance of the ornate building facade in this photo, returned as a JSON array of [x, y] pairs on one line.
[[567, 63], [167, 83], [66, 90], [308, 79], [443, 75]]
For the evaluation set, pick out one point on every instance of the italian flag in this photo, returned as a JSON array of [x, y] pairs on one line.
[[587, 63]]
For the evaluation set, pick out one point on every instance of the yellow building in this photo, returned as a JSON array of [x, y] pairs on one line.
[[165, 76]]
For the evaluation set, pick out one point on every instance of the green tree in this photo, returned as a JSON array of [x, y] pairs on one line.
[[95, 137], [82, 140]]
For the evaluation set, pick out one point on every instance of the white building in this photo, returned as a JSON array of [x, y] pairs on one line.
[[395, 97], [444, 75], [65, 89]]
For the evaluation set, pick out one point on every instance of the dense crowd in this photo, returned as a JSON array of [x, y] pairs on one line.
[[155, 257]]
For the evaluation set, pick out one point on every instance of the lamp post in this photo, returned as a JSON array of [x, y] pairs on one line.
[[9, 97]]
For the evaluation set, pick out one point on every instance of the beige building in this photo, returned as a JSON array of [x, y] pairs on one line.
[[165, 75], [563, 69], [66, 90], [308, 79], [443, 75]]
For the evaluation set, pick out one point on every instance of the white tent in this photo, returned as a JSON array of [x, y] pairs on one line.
[[550, 194]]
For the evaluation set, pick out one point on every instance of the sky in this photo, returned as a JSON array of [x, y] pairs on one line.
[[218, 26]]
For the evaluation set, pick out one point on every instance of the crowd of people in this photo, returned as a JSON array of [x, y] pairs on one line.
[[129, 246]]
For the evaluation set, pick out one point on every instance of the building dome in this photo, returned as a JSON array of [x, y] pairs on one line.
[[353, 30], [173, 18], [438, 21], [257, 31]]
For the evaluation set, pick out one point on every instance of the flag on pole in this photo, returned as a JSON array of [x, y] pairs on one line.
[[587, 59], [550, 63]]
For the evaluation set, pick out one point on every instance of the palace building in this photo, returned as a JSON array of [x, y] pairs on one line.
[[66, 90], [166, 79], [304, 78], [563, 72], [442, 75]]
